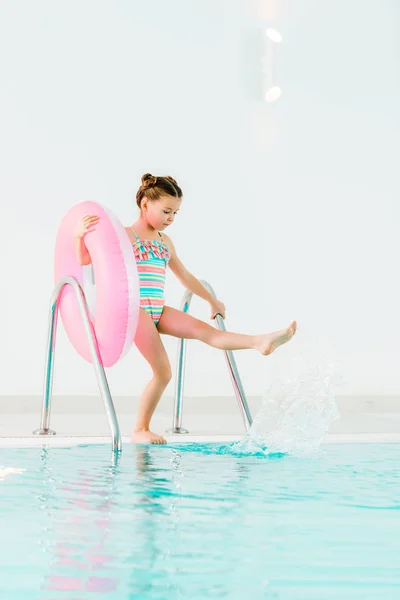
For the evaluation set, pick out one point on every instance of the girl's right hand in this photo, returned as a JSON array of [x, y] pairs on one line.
[[86, 224]]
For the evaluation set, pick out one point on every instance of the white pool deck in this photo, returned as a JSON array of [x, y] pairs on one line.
[[82, 420]]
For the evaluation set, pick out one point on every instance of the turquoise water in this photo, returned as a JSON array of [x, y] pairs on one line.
[[199, 522]]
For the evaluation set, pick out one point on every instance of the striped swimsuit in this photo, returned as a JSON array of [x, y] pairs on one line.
[[152, 257]]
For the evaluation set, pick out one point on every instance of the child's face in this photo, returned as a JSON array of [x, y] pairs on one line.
[[161, 213]]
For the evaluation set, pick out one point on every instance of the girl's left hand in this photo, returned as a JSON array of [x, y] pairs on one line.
[[217, 308]]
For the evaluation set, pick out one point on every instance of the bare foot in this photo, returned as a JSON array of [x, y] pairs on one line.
[[269, 342], [145, 436]]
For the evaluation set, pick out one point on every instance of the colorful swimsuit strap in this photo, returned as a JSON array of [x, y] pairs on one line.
[[136, 235], [138, 238]]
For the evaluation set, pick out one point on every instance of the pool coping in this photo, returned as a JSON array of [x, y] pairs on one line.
[[68, 441]]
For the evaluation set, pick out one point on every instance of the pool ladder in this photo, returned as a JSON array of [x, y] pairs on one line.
[[177, 428], [180, 372]]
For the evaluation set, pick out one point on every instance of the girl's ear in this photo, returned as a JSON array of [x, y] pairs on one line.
[[144, 204]]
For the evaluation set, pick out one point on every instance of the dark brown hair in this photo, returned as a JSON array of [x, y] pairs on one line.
[[153, 188]]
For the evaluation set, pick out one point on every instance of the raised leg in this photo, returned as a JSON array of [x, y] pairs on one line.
[[179, 324]]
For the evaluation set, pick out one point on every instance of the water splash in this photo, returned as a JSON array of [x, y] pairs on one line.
[[298, 405]]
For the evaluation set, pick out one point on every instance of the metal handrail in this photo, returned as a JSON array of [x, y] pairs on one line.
[[180, 372], [94, 354]]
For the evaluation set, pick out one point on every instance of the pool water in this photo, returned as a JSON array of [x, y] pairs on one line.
[[200, 521]]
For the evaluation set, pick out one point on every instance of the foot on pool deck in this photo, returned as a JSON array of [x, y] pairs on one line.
[[145, 436], [269, 342]]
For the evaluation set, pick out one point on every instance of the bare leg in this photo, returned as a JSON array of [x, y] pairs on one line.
[[179, 324], [149, 343]]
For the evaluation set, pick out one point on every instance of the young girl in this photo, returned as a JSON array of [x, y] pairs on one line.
[[159, 199]]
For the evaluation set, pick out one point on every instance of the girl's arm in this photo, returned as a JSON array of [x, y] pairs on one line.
[[84, 225], [191, 283], [82, 253]]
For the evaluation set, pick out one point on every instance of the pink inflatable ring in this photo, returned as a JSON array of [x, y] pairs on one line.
[[114, 314]]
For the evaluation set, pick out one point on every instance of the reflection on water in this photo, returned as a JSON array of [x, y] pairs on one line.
[[5, 471], [80, 527], [193, 521]]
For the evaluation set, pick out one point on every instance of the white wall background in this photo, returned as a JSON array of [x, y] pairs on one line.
[[291, 209]]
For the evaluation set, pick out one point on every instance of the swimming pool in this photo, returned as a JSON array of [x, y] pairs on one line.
[[200, 521]]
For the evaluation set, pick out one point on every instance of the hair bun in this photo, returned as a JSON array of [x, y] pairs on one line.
[[148, 180]]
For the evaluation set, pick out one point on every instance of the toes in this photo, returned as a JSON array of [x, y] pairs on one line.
[[157, 440]]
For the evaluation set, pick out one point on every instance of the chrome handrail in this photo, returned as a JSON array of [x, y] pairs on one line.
[[180, 372], [94, 353]]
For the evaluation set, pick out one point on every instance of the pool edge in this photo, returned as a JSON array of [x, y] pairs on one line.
[[68, 441]]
